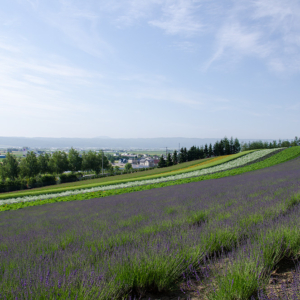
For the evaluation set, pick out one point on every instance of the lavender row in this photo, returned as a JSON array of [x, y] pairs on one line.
[[132, 243], [245, 271]]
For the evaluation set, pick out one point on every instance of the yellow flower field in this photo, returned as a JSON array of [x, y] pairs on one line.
[[200, 164]]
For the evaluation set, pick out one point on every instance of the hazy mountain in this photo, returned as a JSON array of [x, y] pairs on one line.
[[106, 142]]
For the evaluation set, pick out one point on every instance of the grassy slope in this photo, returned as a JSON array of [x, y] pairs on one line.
[[280, 157], [152, 174], [100, 181]]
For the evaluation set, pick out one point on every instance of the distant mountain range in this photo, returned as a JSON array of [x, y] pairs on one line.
[[106, 142]]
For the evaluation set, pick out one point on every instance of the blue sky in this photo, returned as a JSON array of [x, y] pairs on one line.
[[153, 68]]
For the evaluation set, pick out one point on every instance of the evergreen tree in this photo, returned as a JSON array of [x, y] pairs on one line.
[[210, 150], [198, 153], [192, 153], [216, 149], [201, 152], [237, 146], [285, 144], [221, 148], [175, 158], [231, 145], [185, 154], [226, 146], [162, 163], [181, 156], [169, 160], [205, 150]]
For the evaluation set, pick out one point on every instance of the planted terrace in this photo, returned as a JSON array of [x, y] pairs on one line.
[[128, 245]]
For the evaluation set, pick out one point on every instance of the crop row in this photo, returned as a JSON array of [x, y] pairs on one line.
[[246, 159], [245, 271], [130, 244]]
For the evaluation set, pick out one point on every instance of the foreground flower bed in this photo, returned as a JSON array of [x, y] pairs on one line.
[[223, 167], [130, 244]]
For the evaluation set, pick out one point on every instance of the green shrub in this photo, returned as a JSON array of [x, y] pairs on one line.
[[31, 183], [68, 178], [47, 180]]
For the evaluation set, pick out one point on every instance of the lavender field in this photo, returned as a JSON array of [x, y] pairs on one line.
[[152, 241]]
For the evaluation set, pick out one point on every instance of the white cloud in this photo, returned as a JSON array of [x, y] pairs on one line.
[[179, 17], [235, 41], [267, 29]]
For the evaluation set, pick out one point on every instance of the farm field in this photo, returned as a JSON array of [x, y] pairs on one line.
[[269, 158], [99, 181], [225, 161], [157, 240]]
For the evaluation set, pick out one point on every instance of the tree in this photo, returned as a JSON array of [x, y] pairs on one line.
[[210, 151], [285, 144], [206, 150], [216, 149], [192, 153], [175, 158], [201, 153], [75, 161], [226, 146], [10, 167], [162, 163], [43, 161], [92, 161], [111, 158], [169, 161], [181, 156], [237, 146], [2, 172], [59, 162], [231, 145], [29, 166], [106, 163], [128, 167]]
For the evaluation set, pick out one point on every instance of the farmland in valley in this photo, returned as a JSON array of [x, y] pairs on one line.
[[159, 239]]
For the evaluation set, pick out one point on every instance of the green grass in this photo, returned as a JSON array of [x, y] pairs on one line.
[[100, 181], [154, 268], [249, 270], [151, 174], [280, 157]]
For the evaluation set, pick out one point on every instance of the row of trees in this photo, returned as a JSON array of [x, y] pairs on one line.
[[57, 163], [222, 147], [270, 145]]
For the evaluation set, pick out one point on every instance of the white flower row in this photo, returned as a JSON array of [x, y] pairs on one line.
[[222, 167]]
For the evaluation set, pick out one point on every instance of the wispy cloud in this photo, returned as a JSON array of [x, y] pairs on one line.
[[78, 23], [36, 87], [235, 41], [266, 29], [179, 17]]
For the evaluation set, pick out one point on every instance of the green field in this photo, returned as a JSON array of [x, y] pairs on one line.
[[105, 180], [151, 174], [275, 159], [225, 235]]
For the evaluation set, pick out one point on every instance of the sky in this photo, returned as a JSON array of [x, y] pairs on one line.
[[150, 68]]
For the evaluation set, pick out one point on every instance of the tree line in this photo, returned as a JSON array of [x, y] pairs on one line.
[[222, 147], [270, 145], [55, 164]]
